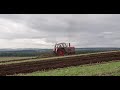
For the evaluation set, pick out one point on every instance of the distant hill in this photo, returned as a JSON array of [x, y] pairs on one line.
[[36, 51], [97, 49]]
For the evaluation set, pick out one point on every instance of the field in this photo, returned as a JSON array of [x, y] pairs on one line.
[[40, 64], [100, 69]]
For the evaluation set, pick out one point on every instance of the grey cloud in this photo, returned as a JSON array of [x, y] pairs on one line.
[[83, 30]]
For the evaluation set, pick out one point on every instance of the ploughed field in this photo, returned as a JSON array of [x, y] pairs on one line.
[[29, 65]]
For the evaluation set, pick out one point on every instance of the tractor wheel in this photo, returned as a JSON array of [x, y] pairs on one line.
[[61, 52]]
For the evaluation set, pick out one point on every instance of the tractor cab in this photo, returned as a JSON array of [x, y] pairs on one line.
[[61, 45]]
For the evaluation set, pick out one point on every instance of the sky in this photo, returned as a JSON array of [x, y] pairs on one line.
[[44, 30]]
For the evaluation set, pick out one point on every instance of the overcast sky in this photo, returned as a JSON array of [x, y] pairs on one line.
[[44, 30]]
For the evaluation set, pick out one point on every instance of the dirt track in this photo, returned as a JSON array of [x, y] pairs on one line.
[[28, 67]]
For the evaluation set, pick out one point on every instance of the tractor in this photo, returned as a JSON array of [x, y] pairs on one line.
[[62, 49]]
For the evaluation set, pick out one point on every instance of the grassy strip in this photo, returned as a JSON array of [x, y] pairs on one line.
[[12, 58]]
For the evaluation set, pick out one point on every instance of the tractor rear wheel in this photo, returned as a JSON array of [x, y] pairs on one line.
[[61, 52]]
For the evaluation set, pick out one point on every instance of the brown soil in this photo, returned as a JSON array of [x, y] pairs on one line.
[[28, 67]]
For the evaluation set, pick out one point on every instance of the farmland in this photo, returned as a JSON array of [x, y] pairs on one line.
[[100, 69], [40, 64]]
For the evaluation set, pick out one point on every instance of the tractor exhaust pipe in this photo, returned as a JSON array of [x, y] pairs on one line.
[[69, 44]]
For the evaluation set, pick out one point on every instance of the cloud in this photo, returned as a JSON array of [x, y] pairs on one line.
[[44, 30], [12, 30]]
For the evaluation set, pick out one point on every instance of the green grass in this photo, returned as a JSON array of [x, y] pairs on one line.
[[104, 69], [12, 58], [115, 74]]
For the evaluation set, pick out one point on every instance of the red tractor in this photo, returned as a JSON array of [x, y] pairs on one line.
[[62, 49]]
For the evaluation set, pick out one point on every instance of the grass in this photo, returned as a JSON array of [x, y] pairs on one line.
[[12, 58], [104, 69], [115, 73]]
